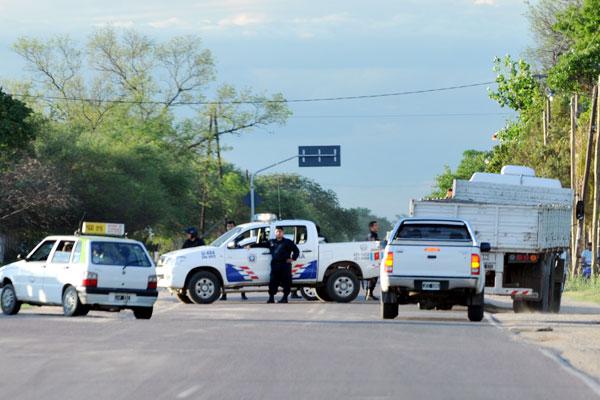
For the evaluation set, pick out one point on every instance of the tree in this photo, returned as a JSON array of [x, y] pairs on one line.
[[472, 161], [18, 128]]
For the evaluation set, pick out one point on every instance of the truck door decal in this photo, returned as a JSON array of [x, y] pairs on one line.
[[305, 271], [239, 273]]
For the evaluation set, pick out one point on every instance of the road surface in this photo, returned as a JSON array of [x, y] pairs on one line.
[[252, 350]]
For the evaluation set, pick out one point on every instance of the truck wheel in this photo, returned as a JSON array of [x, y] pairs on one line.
[[182, 297], [322, 294], [556, 280], [8, 300], [204, 287], [543, 305], [389, 310], [475, 313], [309, 293], [70, 302], [342, 286], [143, 312], [556, 298]]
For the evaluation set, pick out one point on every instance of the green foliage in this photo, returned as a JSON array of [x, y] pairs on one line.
[[578, 68], [579, 288], [472, 161], [518, 89], [18, 127]]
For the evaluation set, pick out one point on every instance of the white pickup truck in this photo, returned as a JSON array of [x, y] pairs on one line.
[[237, 260], [433, 262]]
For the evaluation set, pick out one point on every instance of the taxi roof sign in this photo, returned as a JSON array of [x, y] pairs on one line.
[[103, 229]]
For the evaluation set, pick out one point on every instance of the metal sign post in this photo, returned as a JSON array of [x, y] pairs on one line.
[[308, 156]]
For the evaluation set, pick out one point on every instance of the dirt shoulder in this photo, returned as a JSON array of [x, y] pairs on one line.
[[574, 334]]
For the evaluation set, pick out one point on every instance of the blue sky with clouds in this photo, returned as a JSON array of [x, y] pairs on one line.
[[390, 151]]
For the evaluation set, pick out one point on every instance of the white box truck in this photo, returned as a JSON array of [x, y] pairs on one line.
[[526, 220]]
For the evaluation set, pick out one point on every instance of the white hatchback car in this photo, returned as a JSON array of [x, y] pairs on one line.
[[82, 273]]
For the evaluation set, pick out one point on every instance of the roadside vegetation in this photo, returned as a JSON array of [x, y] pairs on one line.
[[578, 288], [123, 128]]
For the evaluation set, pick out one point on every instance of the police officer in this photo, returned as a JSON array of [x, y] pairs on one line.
[[283, 252], [192, 238], [373, 236]]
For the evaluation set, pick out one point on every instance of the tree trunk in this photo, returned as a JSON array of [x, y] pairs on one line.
[[218, 144], [596, 187], [586, 176], [204, 200]]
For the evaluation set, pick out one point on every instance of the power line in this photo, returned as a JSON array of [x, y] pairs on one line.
[[305, 100], [417, 115]]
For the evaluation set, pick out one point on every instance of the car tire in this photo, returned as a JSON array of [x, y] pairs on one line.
[[8, 300], [183, 297], [204, 287], [309, 293], [84, 310], [389, 310], [322, 294], [342, 286], [475, 313], [143, 312], [70, 302]]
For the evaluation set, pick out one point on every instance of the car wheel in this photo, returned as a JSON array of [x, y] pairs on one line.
[[389, 310], [143, 312], [343, 286], [322, 294], [309, 293], [182, 297], [70, 302], [8, 300], [204, 287], [475, 313], [83, 310]]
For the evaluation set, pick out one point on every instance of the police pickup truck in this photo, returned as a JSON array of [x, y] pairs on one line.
[[238, 259], [433, 262]]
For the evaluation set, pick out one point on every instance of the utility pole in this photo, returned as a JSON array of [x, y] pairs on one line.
[[596, 186], [574, 108], [586, 176]]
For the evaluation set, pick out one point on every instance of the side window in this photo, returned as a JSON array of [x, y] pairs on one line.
[[63, 251], [260, 236], [296, 233], [42, 252], [76, 257]]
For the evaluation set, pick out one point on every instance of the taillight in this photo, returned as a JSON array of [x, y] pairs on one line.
[[152, 282], [475, 264], [389, 262], [90, 280]]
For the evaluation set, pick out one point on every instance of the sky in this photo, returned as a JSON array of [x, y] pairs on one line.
[[391, 148]]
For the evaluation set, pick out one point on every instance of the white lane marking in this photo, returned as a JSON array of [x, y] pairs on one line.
[[589, 381], [188, 392], [592, 383]]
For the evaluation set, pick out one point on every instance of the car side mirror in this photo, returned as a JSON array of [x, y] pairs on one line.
[[231, 245], [485, 247], [383, 244], [19, 257]]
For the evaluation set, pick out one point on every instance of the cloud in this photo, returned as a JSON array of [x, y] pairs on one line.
[[242, 20], [484, 2], [167, 23], [117, 23]]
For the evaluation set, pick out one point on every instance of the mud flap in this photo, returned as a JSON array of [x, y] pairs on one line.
[[389, 297]]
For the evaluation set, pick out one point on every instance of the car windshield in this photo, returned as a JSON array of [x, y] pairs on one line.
[[224, 238], [430, 231], [120, 254]]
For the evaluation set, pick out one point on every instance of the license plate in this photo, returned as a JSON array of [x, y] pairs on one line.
[[430, 286], [121, 297]]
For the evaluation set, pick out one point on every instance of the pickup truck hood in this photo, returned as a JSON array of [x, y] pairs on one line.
[[190, 251]]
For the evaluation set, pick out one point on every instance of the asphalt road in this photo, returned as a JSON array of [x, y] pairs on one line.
[[252, 350]]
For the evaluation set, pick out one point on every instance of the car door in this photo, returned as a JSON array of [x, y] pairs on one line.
[[31, 273], [57, 271], [305, 268], [247, 257]]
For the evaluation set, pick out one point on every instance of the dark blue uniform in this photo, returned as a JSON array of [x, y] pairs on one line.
[[281, 270]]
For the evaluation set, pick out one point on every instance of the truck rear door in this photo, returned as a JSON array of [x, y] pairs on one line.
[[432, 249]]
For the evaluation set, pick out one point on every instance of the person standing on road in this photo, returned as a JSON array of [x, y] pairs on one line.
[[283, 252], [229, 225], [192, 238], [373, 236]]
